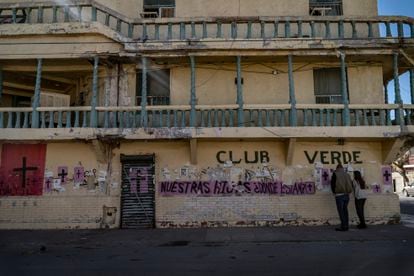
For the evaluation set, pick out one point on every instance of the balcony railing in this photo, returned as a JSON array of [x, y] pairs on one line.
[[209, 116], [182, 29]]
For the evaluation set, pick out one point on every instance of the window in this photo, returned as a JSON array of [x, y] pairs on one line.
[[158, 87], [158, 8], [325, 7], [327, 83]]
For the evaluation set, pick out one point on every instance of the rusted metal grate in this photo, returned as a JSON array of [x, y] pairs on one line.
[[138, 192]]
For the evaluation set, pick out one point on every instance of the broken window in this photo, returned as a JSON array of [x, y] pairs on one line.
[[158, 8], [327, 83], [325, 7], [158, 87], [6, 16]]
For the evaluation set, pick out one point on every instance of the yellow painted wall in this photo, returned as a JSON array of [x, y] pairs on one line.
[[364, 81], [194, 8], [215, 84], [70, 207], [360, 8], [83, 207], [185, 211]]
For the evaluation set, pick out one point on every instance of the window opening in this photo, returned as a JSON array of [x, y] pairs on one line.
[[158, 87], [327, 83], [158, 8], [325, 7]]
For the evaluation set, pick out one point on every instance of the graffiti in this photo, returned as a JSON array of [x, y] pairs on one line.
[[225, 188], [386, 175], [171, 133], [79, 175], [24, 169], [376, 189], [89, 173], [133, 175], [258, 156], [326, 177], [48, 184], [62, 173], [141, 176], [334, 157]]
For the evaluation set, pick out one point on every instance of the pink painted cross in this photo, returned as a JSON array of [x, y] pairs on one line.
[[325, 177], [386, 175]]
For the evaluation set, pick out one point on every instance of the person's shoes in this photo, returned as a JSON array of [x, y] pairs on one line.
[[341, 229], [361, 226]]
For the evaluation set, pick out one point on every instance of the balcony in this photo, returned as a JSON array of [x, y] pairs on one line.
[[173, 122], [193, 31]]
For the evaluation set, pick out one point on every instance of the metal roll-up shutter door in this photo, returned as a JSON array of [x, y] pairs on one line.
[[138, 192]]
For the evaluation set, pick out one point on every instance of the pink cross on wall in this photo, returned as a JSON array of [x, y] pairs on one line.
[[386, 175], [376, 189], [79, 175]]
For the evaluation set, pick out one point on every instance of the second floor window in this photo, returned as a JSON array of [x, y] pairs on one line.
[[158, 87], [325, 7], [327, 83], [158, 8]]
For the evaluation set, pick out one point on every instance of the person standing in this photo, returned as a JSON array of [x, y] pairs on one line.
[[359, 185], [341, 185]]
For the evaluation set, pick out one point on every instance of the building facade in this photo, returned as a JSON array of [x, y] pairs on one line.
[[197, 113]]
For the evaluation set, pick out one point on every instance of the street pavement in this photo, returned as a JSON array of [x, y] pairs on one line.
[[378, 250], [407, 211]]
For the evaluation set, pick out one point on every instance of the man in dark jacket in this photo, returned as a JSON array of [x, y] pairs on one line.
[[341, 185]]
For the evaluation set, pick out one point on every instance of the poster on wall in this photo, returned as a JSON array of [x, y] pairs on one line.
[[386, 173], [62, 174], [79, 175]]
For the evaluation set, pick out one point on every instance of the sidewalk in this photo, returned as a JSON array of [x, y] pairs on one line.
[[378, 250], [153, 237]]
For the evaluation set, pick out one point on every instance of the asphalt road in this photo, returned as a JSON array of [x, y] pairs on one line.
[[407, 205], [378, 250]]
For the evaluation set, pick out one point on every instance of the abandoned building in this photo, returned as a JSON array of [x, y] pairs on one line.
[[192, 113]]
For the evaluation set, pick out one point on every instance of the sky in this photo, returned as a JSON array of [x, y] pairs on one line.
[[398, 7]]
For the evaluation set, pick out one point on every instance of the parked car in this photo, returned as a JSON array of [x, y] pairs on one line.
[[408, 190]]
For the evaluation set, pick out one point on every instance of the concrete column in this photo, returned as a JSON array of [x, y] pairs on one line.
[[412, 85], [36, 98], [292, 97], [344, 92], [193, 100], [386, 93], [94, 100], [397, 89], [398, 100], [1, 83], [240, 93], [144, 88]]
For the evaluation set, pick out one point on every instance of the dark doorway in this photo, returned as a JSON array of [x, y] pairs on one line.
[[138, 191]]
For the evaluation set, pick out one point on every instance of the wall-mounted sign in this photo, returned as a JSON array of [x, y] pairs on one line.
[[333, 157], [246, 157], [226, 188]]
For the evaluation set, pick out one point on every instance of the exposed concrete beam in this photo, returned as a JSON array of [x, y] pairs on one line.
[[163, 52], [48, 68], [391, 149], [12, 92], [407, 57], [290, 151], [193, 151], [58, 79], [29, 87]]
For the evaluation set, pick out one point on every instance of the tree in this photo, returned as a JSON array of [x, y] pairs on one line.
[[398, 165]]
